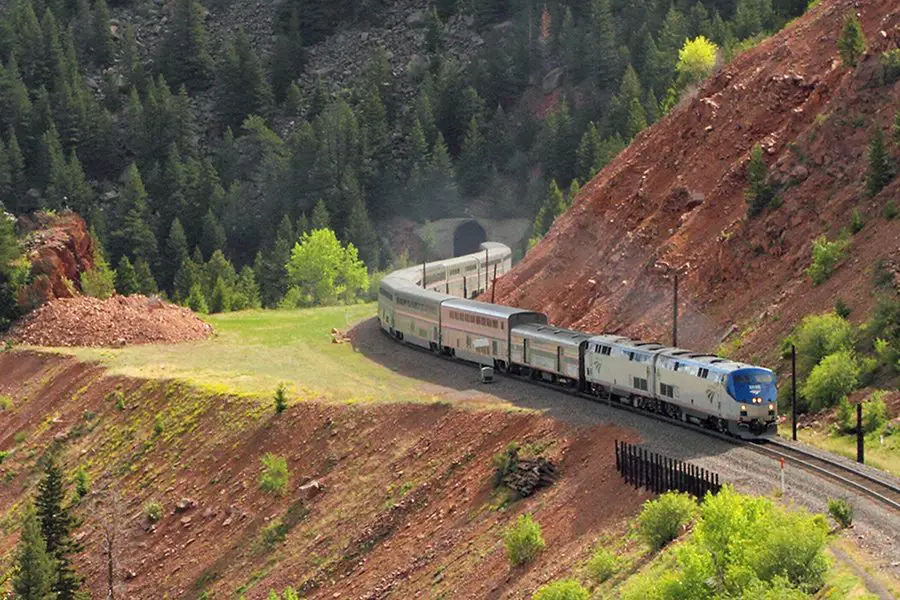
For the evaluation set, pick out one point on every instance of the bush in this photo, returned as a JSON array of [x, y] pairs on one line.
[[564, 589], [275, 475], [890, 210], [99, 282], [153, 511], [523, 540], [817, 337], [158, 425], [890, 66], [280, 399], [663, 519], [841, 309], [856, 222], [831, 380], [825, 257], [82, 483], [841, 511], [603, 565], [505, 462]]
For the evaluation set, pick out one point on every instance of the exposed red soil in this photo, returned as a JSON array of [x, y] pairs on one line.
[[405, 508], [674, 201], [118, 321], [59, 249]]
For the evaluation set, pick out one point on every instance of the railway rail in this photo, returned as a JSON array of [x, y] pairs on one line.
[[877, 489]]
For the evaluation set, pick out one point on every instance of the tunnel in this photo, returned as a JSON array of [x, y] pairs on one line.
[[468, 238]]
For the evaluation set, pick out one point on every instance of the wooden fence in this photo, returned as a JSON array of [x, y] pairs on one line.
[[659, 473]]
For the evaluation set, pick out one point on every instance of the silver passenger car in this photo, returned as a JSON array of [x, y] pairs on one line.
[[548, 352], [480, 332]]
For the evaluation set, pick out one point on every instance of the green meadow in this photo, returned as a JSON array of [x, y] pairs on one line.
[[252, 352]]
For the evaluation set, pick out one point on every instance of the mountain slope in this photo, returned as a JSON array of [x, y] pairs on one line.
[[674, 200]]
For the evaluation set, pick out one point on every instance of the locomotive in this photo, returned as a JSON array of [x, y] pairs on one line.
[[432, 306]]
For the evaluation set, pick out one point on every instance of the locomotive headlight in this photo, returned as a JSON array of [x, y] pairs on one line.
[[771, 407], [743, 409]]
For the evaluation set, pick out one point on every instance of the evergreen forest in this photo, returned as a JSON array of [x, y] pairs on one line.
[[195, 152]]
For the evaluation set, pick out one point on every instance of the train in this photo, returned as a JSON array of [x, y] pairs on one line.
[[433, 306]]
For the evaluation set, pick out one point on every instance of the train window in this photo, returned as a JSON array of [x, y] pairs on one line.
[[605, 350], [703, 373], [666, 390], [631, 356], [640, 383], [502, 326], [677, 364], [494, 347]]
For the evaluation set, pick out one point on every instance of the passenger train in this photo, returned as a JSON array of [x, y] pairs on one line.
[[433, 306]]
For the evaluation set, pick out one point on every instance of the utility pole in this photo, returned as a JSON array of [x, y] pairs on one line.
[[860, 442], [494, 285], [485, 269], [424, 257], [675, 314], [793, 393]]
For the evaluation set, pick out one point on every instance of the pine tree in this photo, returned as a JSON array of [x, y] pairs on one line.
[[246, 291], [288, 56], [186, 278], [176, 252], [880, 170], [184, 57], [244, 88], [196, 301], [146, 283], [220, 299], [126, 278], [434, 31], [132, 232], [104, 49], [759, 191], [212, 235], [5, 176], [553, 206], [293, 101], [320, 98], [184, 123], [852, 42], [603, 45], [130, 65], [57, 524], [320, 218], [79, 192], [34, 574], [53, 165], [651, 107], [359, 230], [896, 129], [442, 179], [588, 152], [473, 161], [637, 119], [373, 116]]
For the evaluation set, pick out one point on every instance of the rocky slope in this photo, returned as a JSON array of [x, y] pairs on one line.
[[673, 202], [382, 501]]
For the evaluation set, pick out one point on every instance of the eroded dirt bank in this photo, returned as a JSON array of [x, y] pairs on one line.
[[405, 505]]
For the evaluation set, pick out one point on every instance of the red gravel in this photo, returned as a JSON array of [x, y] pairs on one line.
[[119, 321]]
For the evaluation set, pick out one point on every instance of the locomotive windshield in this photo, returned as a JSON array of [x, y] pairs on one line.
[[752, 385]]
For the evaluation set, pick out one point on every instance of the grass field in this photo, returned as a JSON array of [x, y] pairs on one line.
[[880, 452], [253, 351]]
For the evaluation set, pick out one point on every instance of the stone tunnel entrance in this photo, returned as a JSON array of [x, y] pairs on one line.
[[467, 238]]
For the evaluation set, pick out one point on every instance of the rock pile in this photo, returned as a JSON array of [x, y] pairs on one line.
[[119, 321], [529, 475]]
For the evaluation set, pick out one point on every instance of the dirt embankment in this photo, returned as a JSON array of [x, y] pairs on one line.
[[674, 201], [382, 500]]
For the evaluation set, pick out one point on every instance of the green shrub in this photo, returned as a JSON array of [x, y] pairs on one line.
[[832, 379], [82, 483], [564, 589], [841, 511], [153, 511], [273, 534], [5, 402], [280, 399], [4, 454], [504, 462], [890, 210], [856, 222], [275, 475], [885, 353], [825, 257], [603, 565], [663, 519], [523, 540], [99, 282], [817, 337], [890, 66], [158, 425], [841, 309]]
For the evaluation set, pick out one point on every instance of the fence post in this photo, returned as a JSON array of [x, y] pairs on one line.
[[618, 465]]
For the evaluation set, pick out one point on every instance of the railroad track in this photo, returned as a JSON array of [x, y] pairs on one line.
[[880, 490]]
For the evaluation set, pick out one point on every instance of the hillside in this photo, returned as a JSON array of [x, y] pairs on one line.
[[674, 201]]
